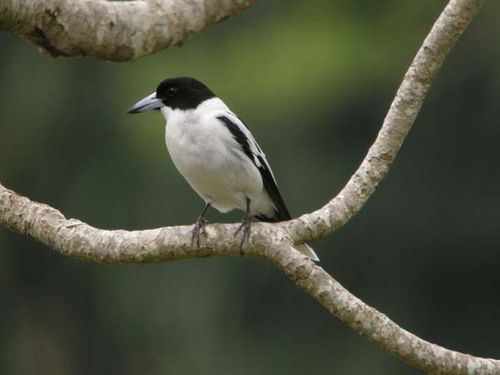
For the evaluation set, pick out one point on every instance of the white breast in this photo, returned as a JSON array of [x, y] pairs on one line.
[[210, 159]]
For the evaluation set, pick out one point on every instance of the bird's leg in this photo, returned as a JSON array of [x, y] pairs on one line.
[[199, 226], [245, 227]]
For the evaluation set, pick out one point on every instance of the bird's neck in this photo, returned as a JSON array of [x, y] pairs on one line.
[[212, 104], [207, 106]]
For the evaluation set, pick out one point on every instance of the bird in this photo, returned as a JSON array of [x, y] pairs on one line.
[[216, 153]]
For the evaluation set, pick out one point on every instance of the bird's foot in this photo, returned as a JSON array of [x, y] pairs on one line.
[[198, 230], [245, 229]]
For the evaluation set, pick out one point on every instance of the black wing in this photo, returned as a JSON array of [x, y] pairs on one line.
[[251, 149]]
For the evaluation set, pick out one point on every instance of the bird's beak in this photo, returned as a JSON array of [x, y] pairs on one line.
[[149, 103]]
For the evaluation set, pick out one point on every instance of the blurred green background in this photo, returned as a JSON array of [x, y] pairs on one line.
[[313, 81]]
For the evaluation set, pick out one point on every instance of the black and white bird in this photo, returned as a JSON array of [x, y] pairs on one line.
[[217, 155]]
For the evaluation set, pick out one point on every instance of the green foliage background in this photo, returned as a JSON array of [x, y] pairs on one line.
[[313, 81]]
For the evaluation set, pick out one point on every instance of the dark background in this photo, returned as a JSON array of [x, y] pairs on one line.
[[313, 80]]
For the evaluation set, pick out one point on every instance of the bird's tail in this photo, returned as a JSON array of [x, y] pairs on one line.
[[307, 251]]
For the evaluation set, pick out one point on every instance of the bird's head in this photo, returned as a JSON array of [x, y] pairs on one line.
[[174, 93]]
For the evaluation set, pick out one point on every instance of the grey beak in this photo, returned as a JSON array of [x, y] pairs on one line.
[[149, 103]]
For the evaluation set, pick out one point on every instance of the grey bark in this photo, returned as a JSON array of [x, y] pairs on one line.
[[112, 30], [397, 123], [273, 242]]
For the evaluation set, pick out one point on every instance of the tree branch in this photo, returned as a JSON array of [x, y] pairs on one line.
[[397, 123], [273, 242], [79, 240], [112, 30], [377, 327]]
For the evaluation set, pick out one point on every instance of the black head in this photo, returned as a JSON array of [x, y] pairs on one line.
[[183, 92], [175, 93]]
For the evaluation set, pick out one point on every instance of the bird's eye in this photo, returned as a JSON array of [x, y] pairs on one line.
[[171, 91]]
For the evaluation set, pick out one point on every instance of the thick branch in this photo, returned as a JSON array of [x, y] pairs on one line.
[[112, 30], [397, 123], [79, 240]]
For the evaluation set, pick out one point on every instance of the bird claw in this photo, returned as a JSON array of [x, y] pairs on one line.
[[199, 228], [245, 228]]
